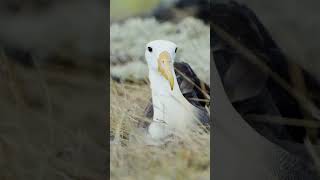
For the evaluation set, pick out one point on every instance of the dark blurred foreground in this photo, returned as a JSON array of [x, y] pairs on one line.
[[53, 89], [267, 111]]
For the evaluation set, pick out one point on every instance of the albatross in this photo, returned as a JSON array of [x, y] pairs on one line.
[[179, 97]]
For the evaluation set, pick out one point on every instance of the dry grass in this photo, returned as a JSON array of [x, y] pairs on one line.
[[187, 159]]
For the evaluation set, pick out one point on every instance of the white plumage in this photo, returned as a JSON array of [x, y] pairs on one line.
[[172, 112]]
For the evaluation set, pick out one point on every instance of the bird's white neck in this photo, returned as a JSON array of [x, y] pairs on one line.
[[160, 86], [169, 107]]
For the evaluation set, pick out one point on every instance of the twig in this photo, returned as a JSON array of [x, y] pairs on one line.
[[313, 154], [284, 121], [188, 79], [200, 100]]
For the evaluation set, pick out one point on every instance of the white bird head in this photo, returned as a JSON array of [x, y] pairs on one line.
[[160, 56]]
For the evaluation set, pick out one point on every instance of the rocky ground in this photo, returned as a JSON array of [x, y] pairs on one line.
[[128, 40]]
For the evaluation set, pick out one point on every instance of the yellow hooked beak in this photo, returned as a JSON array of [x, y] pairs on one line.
[[164, 67]]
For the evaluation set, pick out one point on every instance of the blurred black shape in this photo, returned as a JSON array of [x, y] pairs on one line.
[[19, 55], [269, 97], [264, 93], [182, 8]]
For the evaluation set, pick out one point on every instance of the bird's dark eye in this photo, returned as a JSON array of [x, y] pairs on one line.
[[176, 50], [150, 49]]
